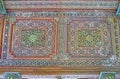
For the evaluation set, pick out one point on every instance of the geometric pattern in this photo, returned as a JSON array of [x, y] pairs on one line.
[[59, 45], [33, 38], [89, 38], [57, 36], [61, 4]]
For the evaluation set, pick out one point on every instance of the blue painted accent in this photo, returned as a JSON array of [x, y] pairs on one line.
[[5, 48], [118, 10]]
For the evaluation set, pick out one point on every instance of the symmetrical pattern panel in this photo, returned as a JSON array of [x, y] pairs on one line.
[[69, 38], [33, 38], [89, 38]]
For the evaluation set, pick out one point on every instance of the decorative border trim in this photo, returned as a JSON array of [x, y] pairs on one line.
[[60, 4]]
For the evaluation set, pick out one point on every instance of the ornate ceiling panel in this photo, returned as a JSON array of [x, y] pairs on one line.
[[56, 37]]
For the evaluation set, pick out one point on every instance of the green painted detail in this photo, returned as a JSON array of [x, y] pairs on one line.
[[107, 76], [12, 76], [89, 38], [33, 38], [2, 8]]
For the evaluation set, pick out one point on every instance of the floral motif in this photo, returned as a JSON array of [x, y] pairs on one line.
[[33, 38], [88, 38]]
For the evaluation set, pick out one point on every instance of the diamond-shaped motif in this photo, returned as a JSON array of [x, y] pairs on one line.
[[88, 38]]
